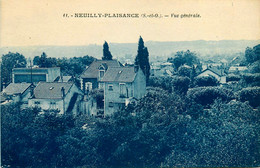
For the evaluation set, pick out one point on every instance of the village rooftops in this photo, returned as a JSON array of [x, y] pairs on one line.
[[51, 90], [119, 74], [93, 72], [16, 88]]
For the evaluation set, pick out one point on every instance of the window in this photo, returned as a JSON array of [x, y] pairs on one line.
[[101, 73], [101, 85], [52, 105], [88, 86], [110, 87], [37, 102], [123, 90], [110, 104]]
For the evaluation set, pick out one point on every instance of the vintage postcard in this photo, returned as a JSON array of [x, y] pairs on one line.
[[133, 83]]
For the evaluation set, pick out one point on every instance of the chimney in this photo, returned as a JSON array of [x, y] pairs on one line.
[[62, 92]]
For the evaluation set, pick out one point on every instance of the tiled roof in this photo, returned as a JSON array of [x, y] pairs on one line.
[[16, 88], [51, 90], [92, 70], [119, 74]]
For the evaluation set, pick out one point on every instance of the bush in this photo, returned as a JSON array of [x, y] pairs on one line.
[[207, 95], [251, 79], [180, 84], [250, 94], [206, 81], [233, 78]]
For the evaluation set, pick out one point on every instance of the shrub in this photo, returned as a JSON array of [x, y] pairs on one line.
[[206, 95], [250, 94], [206, 81]]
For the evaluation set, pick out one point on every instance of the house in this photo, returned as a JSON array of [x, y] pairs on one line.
[[90, 78], [217, 73], [18, 92], [35, 75], [65, 97], [120, 84], [237, 69]]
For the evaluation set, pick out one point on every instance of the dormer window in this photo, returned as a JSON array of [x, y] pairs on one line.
[[101, 73]]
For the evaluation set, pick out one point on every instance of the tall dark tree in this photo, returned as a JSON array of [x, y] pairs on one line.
[[106, 53], [142, 58]]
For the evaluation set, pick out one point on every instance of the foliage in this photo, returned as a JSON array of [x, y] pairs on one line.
[[106, 53], [225, 136], [142, 58], [10, 61], [206, 81], [251, 79], [250, 94], [185, 71], [207, 95], [233, 78], [180, 84], [182, 58], [252, 54]]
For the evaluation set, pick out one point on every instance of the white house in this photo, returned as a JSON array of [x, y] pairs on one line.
[[62, 96], [121, 84], [217, 73], [90, 78]]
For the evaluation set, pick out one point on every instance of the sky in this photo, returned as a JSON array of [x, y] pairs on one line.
[[32, 23]]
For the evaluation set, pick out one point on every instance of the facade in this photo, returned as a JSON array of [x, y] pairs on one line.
[[35, 75], [90, 78], [18, 92], [218, 74], [61, 96], [120, 85]]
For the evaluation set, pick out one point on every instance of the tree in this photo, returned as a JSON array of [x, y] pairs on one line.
[[182, 58], [10, 61], [142, 58], [36, 60], [106, 53]]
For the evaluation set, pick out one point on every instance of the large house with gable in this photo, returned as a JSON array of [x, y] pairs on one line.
[[90, 78], [64, 97], [120, 85]]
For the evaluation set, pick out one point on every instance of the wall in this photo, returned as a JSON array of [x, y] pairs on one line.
[[139, 85]]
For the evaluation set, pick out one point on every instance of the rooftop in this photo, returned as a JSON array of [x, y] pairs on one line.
[[92, 70], [119, 74], [16, 88], [51, 90]]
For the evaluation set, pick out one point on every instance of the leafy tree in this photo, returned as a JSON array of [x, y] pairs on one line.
[[45, 62], [36, 60], [180, 84], [206, 81], [142, 58], [185, 71], [250, 79], [252, 54], [10, 61], [207, 95], [181, 58], [251, 94], [106, 53]]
